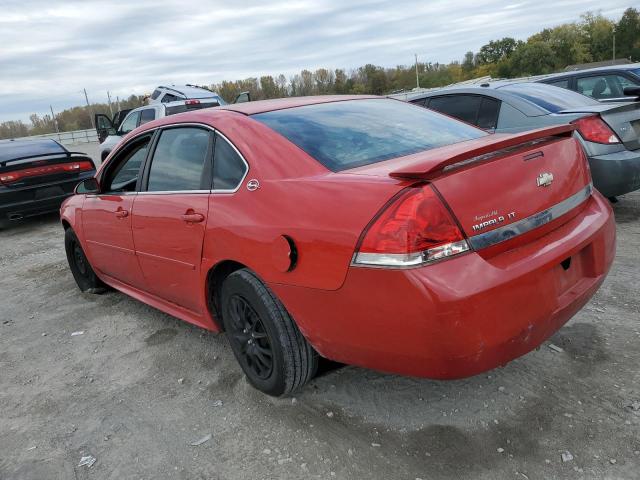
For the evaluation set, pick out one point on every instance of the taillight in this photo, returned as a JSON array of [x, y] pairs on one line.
[[17, 175], [192, 102], [416, 228], [594, 129]]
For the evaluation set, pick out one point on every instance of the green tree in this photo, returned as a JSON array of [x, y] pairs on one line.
[[628, 35]]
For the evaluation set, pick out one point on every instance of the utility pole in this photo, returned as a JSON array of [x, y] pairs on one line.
[[110, 107], [118, 103], [417, 78], [90, 109], [55, 121], [614, 43]]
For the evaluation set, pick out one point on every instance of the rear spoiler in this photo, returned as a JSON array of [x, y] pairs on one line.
[[434, 162]]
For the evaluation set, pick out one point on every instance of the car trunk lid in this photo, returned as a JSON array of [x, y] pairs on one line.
[[501, 180], [38, 169], [622, 118]]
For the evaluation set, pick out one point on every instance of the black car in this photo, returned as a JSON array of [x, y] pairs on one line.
[[36, 176], [606, 84]]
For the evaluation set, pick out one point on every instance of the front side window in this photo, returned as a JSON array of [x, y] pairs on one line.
[[147, 115], [179, 161], [348, 134], [228, 167], [129, 123], [124, 170]]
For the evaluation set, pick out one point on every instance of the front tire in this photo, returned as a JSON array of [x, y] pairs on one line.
[[83, 274], [273, 353]]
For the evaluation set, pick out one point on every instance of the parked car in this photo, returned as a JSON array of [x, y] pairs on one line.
[[606, 84], [609, 133], [167, 101], [36, 176], [363, 229], [176, 93]]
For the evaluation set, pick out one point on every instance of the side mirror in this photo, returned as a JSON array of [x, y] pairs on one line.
[[631, 91], [89, 185], [243, 97]]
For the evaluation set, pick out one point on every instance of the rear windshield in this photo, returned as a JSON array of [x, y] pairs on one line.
[[550, 98], [348, 134], [183, 107], [10, 150]]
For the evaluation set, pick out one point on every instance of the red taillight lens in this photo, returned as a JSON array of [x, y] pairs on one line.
[[594, 129], [416, 228], [17, 175], [192, 102]]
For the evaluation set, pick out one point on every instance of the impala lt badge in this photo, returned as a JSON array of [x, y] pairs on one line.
[[488, 221], [545, 179]]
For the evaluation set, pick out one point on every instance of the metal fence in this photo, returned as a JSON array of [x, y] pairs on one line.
[[69, 138]]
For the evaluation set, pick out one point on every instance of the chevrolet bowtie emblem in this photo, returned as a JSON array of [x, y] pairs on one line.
[[545, 179]]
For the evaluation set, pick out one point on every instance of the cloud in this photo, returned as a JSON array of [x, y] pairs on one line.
[[52, 50]]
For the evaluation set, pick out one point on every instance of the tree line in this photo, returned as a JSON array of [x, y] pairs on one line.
[[588, 40]]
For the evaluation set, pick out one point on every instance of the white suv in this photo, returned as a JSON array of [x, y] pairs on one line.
[[164, 101]]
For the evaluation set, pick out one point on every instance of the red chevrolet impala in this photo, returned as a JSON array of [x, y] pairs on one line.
[[361, 229]]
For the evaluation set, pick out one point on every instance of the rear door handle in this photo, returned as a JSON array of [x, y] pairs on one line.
[[122, 213], [192, 217]]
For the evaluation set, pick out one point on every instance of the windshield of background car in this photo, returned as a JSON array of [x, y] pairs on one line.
[[349, 134], [550, 98]]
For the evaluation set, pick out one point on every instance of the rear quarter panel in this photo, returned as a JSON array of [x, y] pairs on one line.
[[324, 213]]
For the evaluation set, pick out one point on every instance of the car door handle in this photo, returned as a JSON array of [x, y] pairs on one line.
[[122, 213], [192, 217]]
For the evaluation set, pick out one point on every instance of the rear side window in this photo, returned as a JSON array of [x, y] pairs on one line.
[[155, 94], [474, 109], [191, 106], [147, 115], [179, 161], [168, 97], [348, 134], [488, 113], [228, 166], [464, 107]]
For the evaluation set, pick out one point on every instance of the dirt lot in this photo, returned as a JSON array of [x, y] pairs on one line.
[[138, 387]]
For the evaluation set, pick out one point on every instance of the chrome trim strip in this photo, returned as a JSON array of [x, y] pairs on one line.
[[172, 192], [487, 239]]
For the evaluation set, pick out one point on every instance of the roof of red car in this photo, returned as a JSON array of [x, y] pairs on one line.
[[261, 106]]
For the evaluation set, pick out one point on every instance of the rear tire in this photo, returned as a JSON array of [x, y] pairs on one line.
[[273, 353], [83, 274]]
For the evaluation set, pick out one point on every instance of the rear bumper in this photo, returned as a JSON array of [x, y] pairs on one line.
[[464, 315], [16, 203], [616, 173]]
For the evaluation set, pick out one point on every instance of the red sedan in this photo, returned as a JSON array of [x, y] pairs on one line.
[[365, 230]]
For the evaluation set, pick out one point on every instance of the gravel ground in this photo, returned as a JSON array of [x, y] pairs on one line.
[[138, 387]]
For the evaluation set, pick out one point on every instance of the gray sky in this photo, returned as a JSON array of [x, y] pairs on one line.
[[51, 50]]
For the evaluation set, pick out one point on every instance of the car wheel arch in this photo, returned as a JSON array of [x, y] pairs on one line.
[[214, 280]]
